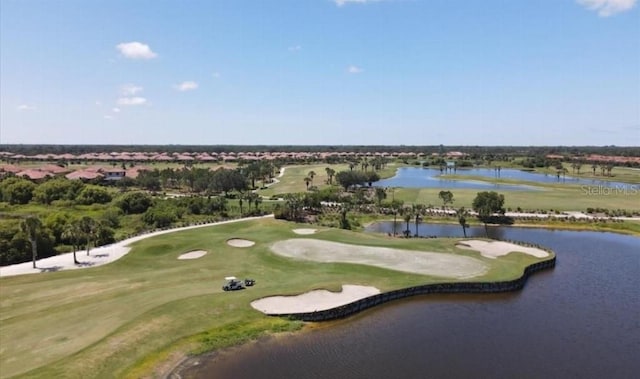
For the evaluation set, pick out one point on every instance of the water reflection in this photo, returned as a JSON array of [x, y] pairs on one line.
[[579, 320], [414, 177]]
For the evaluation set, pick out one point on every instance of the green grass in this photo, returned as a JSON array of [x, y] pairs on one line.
[[128, 318], [562, 197], [293, 178]]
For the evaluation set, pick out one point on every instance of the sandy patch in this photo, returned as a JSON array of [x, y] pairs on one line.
[[193, 254], [304, 231], [317, 300], [417, 262], [495, 249], [239, 242]]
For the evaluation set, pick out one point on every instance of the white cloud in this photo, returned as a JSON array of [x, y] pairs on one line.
[[343, 2], [216, 74], [606, 8], [295, 48], [131, 101], [186, 86], [108, 117], [136, 50], [354, 69], [130, 89], [98, 103], [25, 108], [116, 110]]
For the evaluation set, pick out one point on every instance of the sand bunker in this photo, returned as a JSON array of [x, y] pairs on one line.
[[495, 249], [193, 254], [239, 242], [318, 300], [417, 262], [304, 231]]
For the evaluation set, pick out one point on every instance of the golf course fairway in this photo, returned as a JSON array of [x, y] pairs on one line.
[[140, 315]]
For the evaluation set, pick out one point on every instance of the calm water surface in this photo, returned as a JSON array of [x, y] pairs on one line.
[[579, 320], [415, 177]]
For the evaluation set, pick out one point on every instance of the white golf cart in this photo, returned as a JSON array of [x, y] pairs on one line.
[[232, 283]]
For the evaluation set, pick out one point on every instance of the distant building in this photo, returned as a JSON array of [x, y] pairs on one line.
[[114, 173]]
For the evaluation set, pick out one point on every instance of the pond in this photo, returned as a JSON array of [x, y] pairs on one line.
[[417, 177], [578, 320]]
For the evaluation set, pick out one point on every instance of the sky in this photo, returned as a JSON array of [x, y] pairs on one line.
[[320, 72]]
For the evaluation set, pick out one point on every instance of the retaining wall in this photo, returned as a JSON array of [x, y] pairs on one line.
[[459, 287]]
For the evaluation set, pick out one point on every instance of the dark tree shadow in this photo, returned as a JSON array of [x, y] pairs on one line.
[[50, 269], [85, 264]]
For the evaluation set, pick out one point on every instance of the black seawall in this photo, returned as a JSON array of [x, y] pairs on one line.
[[439, 288]]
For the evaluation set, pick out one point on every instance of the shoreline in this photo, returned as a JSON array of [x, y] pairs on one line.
[[575, 226], [347, 310]]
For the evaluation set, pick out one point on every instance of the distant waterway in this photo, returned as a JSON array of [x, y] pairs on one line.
[[417, 177], [579, 320]]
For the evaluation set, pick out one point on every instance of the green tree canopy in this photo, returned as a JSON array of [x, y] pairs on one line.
[[486, 204], [16, 190], [135, 202]]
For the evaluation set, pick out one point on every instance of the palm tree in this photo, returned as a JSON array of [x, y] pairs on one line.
[[73, 233], [609, 168], [407, 218], [365, 164], [311, 175], [89, 228], [418, 221], [330, 173], [594, 167], [381, 194], [462, 219], [307, 180], [578, 167], [31, 227]]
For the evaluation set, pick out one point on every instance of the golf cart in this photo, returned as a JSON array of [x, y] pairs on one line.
[[232, 283]]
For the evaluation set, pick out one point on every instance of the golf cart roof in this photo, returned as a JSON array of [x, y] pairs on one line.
[[230, 278]]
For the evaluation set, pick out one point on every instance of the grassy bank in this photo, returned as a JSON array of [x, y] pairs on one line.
[[129, 318], [556, 197]]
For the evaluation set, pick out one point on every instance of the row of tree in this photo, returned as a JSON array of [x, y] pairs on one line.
[[34, 238]]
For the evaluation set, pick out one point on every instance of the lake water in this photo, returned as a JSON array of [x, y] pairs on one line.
[[579, 320], [417, 177]]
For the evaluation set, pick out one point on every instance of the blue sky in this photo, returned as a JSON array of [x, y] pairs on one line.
[[303, 72]]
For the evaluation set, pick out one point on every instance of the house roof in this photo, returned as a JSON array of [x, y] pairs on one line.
[[34, 174], [83, 174]]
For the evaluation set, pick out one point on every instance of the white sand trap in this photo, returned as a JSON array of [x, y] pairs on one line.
[[239, 242], [193, 254], [417, 262], [495, 249], [304, 231], [317, 300]]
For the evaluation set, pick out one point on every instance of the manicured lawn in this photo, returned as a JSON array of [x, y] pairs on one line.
[[556, 197], [293, 178], [127, 318]]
